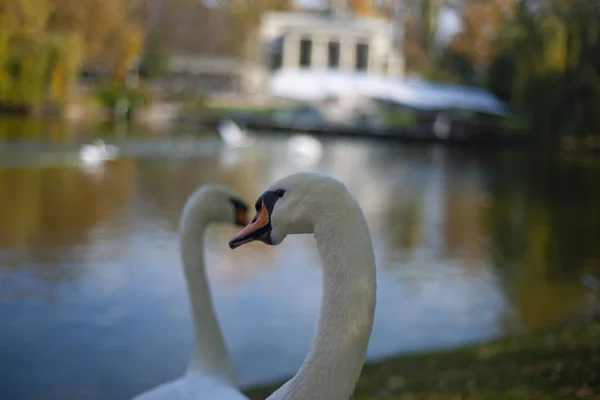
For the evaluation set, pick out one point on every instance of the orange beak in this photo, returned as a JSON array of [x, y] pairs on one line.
[[241, 218], [254, 230]]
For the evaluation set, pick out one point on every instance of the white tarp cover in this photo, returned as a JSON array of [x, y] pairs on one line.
[[315, 85]]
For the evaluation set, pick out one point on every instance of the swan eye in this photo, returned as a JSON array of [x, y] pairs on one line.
[[279, 193]]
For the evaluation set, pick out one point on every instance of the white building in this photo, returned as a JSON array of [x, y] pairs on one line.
[[298, 40], [215, 74]]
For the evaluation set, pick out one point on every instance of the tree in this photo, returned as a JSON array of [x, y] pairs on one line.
[[155, 58], [25, 50], [245, 16], [458, 65], [481, 22], [501, 77], [420, 27], [44, 43], [554, 49], [362, 7]]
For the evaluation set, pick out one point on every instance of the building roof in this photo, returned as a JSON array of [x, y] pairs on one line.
[[313, 85], [319, 21]]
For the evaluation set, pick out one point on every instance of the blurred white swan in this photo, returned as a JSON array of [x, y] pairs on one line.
[[233, 135], [97, 152], [306, 148], [210, 374]]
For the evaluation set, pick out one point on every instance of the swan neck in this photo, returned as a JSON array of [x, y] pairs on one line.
[[338, 349], [210, 354]]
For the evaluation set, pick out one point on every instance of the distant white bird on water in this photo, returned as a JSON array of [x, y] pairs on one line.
[[97, 152], [305, 146], [233, 135]]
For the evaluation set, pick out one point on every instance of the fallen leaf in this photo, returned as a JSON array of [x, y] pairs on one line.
[[395, 382], [584, 391]]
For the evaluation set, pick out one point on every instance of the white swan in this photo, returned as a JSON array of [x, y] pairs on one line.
[[233, 135], [210, 374], [321, 205], [97, 153], [305, 149]]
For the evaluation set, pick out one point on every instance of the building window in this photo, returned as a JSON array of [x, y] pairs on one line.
[[276, 54], [334, 55], [305, 52], [362, 56]]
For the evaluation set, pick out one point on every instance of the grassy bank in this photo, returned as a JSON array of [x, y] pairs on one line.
[[554, 363]]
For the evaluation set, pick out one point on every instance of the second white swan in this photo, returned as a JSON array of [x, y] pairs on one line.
[[210, 374]]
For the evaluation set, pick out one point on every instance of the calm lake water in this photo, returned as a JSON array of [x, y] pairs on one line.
[[470, 244]]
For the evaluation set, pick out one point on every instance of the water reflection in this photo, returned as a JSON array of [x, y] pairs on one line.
[[469, 243]]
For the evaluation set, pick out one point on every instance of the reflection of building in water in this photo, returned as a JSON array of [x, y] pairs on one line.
[[436, 207], [433, 207], [430, 206], [165, 185], [463, 227], [351, 163]]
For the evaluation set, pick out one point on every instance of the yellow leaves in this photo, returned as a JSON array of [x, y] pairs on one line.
[[67, 55], [246, 15], [128, 45], [113, 37], [46, 41], [4, 53], [104, 19], [24, 18], [481, 22], [57, 84], [362, 7], [554, 31], [105, 26], [67, 15]]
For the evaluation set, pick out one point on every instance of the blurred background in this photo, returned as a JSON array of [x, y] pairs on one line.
[[467, 129]]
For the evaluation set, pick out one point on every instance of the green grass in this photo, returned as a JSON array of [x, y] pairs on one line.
[[518, 125], [399, 118], [554, 363], [246, 108], [225, 111]]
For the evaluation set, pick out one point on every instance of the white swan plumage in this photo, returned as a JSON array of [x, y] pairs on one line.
[[303, 203], [232, 135], [309, 203], [210, 374], [97, 152]]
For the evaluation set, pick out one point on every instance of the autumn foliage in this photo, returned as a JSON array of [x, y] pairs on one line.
[[44, 44]]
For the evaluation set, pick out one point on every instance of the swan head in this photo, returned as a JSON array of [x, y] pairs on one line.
[[291, 205], [215, 203]]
